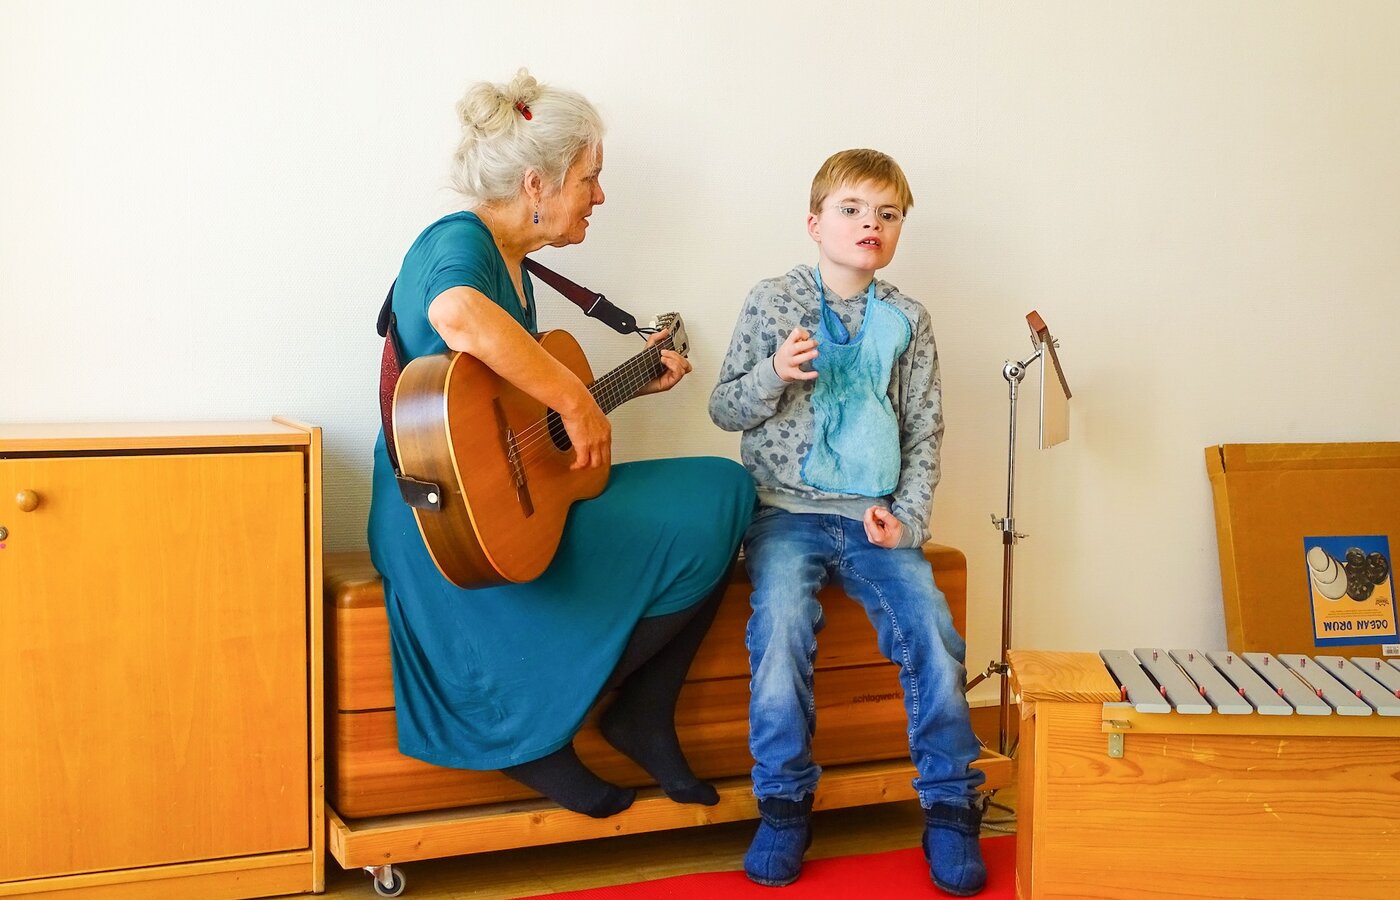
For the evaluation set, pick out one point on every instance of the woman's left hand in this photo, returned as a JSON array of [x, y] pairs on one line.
[[677, 367], [882, 528]]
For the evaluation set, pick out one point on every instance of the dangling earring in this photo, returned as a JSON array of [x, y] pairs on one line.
[[537, 215]]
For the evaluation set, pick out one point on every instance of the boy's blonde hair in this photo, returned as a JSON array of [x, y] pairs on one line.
[[855, 167]]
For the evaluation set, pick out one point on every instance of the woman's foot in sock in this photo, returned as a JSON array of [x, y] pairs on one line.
[[612, 802], [650, 741], [562, 777], [701, 792]]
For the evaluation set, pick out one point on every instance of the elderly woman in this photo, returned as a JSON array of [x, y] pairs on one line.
[[502, 677]]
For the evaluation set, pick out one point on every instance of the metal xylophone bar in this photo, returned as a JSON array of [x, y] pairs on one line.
[[1345, 702], [1382, 671], [1260, 695], [1194, 682], [1300, 694], [1381, 699], [1225, 697], [1183, 693], [1137, 688]]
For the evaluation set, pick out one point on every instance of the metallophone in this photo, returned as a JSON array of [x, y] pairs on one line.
[[1186, 773]]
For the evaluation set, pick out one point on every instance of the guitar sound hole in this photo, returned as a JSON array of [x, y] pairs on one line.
[[557, 432]]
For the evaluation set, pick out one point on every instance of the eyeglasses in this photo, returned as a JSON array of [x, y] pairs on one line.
[[856, 209]]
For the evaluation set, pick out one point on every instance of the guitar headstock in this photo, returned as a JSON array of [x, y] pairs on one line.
[[672, 322]]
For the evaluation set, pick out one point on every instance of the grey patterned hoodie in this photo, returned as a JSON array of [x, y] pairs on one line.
[[776, 416]]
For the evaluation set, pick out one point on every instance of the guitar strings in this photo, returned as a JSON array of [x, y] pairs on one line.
[[540, 436], [619, 384], [538, 439], [602, 389]]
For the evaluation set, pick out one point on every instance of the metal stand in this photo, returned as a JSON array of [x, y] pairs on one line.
[[1014, 372]]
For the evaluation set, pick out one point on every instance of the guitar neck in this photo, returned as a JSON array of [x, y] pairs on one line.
[[622, 384]]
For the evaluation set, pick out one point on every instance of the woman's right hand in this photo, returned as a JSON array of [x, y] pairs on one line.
[[473, 323], [591, 434]]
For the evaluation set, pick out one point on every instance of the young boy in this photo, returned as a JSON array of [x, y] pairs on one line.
[[833, 378]]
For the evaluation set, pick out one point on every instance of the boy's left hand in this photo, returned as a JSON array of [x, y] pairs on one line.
[[882, 528]]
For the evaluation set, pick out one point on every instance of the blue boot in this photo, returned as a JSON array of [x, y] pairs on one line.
[[951, 849], [784, 834]]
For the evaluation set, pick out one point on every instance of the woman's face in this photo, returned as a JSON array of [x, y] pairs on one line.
[[564, 213]]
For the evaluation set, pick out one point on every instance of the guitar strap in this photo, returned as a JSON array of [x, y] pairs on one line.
[[593, 304], [425, 495]]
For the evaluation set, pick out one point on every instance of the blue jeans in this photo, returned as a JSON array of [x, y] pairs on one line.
[[791, 556]]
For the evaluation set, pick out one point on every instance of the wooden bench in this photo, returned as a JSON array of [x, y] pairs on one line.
[[385, 808]]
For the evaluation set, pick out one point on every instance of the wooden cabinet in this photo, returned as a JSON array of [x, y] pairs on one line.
[[160, 672]]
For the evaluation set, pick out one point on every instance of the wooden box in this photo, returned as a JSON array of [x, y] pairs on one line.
[[860, 737], [1208, 806], [860, 706], [1288, 517]]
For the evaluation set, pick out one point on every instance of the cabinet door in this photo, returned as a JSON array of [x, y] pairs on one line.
[[153, 661]]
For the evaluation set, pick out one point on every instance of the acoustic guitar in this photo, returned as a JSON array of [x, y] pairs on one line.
[[497, 460]]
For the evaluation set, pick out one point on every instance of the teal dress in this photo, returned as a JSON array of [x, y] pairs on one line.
[[493, 677]]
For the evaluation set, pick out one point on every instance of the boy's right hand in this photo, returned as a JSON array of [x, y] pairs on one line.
[[796, 350]]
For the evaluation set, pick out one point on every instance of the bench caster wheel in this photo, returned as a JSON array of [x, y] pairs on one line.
[[388, 881]]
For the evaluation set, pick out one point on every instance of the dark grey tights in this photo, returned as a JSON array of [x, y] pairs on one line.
[[641, 721]]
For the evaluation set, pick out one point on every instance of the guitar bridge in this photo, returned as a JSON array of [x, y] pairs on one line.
[[517, 467]]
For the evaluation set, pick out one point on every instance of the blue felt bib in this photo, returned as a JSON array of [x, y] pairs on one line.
[[855, 441]]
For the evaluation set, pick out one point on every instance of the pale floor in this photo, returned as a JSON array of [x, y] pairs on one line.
[[623, 860]]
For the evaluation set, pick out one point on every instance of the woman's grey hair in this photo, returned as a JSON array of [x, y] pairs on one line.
[[499, 144]]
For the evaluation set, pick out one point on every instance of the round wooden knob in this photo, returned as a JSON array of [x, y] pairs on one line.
[[27, 500]]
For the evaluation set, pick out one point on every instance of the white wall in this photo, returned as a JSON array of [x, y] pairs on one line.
[[202, 204]]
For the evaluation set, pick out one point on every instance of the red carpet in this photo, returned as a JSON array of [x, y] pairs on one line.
[[889, 876]]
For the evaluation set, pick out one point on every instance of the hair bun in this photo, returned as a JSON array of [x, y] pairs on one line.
[[488, 108], [523, 88]]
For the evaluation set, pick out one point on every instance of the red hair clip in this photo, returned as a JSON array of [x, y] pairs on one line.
[[524, 110]]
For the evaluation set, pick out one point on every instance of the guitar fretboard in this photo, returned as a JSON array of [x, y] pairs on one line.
[[623, 383]]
